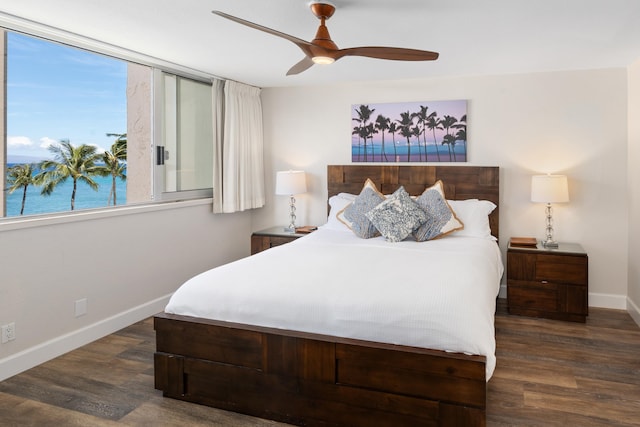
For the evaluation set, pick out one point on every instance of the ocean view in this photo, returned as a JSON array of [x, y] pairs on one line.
[[399, 154], [60, 199]]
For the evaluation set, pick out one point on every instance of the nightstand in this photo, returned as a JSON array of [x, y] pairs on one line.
[[551, 283], [270, 237]]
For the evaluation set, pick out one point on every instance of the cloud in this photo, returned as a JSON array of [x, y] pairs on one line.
[[19, 141], [46, 142], [99, 150]]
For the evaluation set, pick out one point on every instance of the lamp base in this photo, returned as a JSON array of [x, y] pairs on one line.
[[551, 244], [289, 230]]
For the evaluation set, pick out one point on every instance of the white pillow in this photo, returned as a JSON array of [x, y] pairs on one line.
[[336, 204], [474, 214]]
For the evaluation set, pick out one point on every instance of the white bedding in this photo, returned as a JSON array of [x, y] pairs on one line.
[[438, 294]]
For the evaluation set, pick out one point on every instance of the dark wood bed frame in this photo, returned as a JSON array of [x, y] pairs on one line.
[[316, 380]]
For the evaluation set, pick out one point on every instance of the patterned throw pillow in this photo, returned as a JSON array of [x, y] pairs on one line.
[[442, 220], [354, 215], [397, 216]]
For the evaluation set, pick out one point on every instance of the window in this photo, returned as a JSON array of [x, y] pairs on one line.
[[184, 158], [143, 134], [66, 111]]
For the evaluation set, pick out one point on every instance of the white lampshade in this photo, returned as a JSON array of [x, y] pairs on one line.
[[291, 182], [549, 189]]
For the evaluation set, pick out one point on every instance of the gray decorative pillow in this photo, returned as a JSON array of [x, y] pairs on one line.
[[442, 220], [397, 216], [354, 215]]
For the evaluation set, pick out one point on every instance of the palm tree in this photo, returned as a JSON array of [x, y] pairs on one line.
[[382, 125], [114, 164], [77, 163], [423, 117], [368, 132], [405, 123], [120, 145], [393, 129], [461, 134], [357, 130], [364, 114], [449, 140], [433, 123], [447, 122], [415, 131], [21, 176]]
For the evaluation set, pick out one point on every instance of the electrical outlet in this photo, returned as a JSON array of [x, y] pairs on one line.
[[81, 307], [8, 332]]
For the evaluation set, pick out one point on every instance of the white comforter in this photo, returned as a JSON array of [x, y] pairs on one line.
[[439, 294]]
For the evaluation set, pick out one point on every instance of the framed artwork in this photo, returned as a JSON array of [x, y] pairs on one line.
[[431, 131]]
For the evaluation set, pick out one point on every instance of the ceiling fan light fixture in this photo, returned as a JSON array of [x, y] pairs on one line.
[[323, 60]]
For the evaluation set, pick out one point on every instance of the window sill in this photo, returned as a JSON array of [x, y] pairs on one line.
[[19, 223]]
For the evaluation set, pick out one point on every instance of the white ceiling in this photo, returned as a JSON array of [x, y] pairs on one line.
[[473, 37]]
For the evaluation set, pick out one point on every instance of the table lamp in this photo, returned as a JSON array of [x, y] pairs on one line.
[[549, 189], [291, 183]]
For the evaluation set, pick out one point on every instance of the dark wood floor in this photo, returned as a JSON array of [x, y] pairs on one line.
[[549, 373]]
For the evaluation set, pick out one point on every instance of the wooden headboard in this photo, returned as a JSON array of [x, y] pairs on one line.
[[460, 182]]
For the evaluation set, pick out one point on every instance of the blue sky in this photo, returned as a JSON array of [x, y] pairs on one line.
[[58, 92]]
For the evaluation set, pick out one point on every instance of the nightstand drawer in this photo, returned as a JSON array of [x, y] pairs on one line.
[[277, 241], [562, 269], [274, 236], [536, 297], [261, 243]]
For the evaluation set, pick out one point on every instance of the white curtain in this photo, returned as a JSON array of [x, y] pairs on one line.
[[218, 124], [238, 153]]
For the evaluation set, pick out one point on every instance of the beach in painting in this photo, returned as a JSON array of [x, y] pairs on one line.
[[401, 154]]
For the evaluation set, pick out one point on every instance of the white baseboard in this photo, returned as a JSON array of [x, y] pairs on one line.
[[55, 347], [618, 302], [633, 310]]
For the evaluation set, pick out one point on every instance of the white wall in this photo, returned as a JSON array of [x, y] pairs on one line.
[[634, 190], [126, 266], [566, 122]]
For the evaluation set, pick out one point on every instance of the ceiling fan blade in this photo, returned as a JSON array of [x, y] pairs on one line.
[[302, 44], [393, 53], [301, 66]]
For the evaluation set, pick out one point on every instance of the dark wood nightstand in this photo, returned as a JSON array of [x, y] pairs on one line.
[[270, 237], [551, 283]]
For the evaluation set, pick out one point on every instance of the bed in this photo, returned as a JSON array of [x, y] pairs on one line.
[[294, 363]]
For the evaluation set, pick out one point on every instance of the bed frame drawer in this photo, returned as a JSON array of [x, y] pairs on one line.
[[316, 380]]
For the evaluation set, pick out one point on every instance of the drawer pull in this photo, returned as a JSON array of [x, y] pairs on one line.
[[544, 282]]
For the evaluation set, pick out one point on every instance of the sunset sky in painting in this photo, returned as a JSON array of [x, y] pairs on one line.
[[455, 108]]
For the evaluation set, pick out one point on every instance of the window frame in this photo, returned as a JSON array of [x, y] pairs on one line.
[[159, 135]]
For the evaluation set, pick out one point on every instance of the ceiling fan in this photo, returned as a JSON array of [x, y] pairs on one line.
[[322, 50]]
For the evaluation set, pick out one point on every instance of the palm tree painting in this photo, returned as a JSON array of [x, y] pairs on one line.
[[431, 131]]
